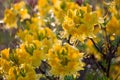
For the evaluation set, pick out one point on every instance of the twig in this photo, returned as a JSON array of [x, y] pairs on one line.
[[97, 47]]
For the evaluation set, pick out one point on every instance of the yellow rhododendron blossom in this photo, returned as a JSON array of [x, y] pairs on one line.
[[54, 32], [61, 7], [113, 9], [19, 6], [65, 60], [37, 22], [43, 7], [69, 25], [80, 24], [37, 57], [18, 9], [10, 18], [91, 18], [24, 14], [5, 65], [21, 34], [71, 5], [85, 30], [113, 26], [22, 54], [29, 38], [29, 72], [5, 53], [37, 43], [21, 72], [11, 74]]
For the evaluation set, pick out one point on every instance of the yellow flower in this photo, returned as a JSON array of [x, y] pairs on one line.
[[21, 34], [113, 26], [43, 7], [112, 37], [19, 6], [64, 60], [61, 7], [29, 38], [36, 22], [37, 57], [37, 43], [72, 5], [10, 18], [5, 53], [42, 3], [54, 2], [5, 65], [69, 25], [85, 29], [21, 72], [24, 14], [11, 15], [84, 8], [100, 14], [11, 74], [113, 9], [90, 18], [23, 56], [79, 23], [29, 72]]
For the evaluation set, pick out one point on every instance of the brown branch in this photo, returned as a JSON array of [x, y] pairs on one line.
[[97, 47], [98, 64], [108, 68]]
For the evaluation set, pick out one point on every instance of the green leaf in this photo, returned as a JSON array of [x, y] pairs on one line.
[[63, 5], [69, 77], [13, 58]]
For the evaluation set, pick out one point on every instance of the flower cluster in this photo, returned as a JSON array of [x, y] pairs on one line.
[[57, 38], [17, 11], [65, 60]]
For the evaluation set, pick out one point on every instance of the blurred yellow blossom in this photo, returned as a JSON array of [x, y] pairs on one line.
[[5, 65], [22, 54], [10, 18], [43, 7], [19, 6], [113, 26], [79, 23], [24, 14], [65, 60], [5, 53], [37, 57]]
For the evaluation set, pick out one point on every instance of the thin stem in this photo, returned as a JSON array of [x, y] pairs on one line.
[[97, 47], [98, 64], [108, 68]]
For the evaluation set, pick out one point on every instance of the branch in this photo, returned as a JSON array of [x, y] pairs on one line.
[[108, 67], [68, 40], [97, 47], [115, 48]]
